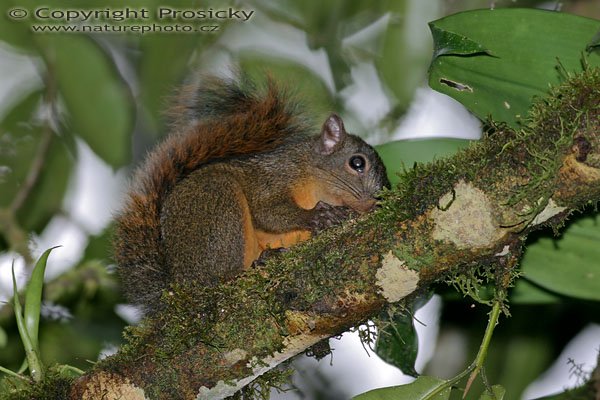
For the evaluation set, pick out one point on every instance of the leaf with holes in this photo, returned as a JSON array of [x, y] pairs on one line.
[[495, 61]]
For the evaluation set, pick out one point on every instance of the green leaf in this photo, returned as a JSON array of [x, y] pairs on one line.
[[33, 303], [23, 366], [21, 141], [403, 154], [33, 298], [22, 111], [14, 31], [451, 43], [3, 338], [568, 266], [595, 43], [315, 96], [423, 388], [46, 197], [582, 392], [402, 60], [497, 393], [398, 343], [397, 340], [526, 292], [525, 57], [99, 246], [518, 356], [158, 82], [11, 373], [33, 358], [99, 104]]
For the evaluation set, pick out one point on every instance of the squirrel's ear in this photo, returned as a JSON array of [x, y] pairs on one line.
[[332, 134]]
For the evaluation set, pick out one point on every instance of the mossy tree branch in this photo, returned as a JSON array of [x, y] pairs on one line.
[[473, 209]]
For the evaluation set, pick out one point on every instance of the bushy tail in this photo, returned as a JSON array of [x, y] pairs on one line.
[[220, 119]]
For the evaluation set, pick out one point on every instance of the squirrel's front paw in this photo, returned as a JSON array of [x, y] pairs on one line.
[[325, 216]]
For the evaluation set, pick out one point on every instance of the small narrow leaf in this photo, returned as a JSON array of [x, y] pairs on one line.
[[33, 359], [33, 298], [12, 373], [423, 388], [23, 366]]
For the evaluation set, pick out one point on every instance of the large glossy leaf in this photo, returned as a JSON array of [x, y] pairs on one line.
[[423, 388], [568, 266], [495, 61], [99, 104]]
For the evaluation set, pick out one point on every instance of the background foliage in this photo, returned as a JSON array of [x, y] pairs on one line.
[[103, 96]]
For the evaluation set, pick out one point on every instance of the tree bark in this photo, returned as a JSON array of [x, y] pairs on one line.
[[449, 216]]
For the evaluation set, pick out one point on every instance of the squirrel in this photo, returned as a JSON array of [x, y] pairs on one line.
[[238, 174]]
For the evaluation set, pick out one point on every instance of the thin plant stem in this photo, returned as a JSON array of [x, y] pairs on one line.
[[12, 373], [485, 343]]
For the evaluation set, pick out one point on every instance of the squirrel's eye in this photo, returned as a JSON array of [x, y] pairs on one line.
[[357, 163]]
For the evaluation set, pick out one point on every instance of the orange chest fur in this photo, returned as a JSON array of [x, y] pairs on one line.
[[305, 195]]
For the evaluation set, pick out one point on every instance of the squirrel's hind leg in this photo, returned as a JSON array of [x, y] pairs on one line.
[[202, 235]]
